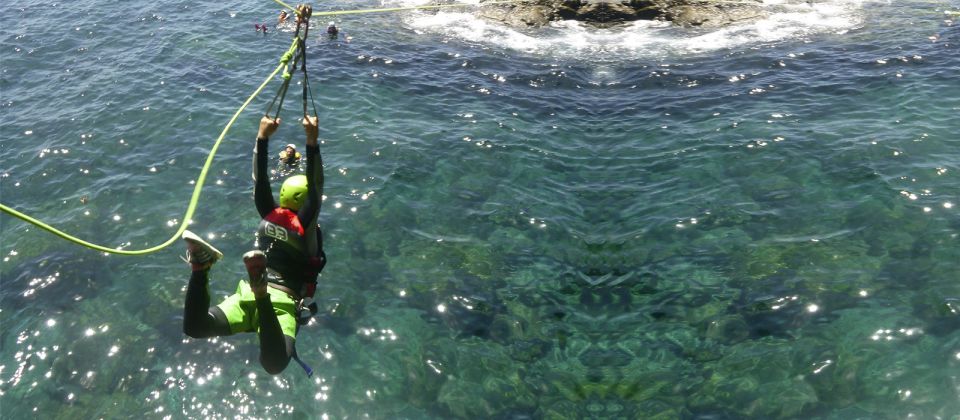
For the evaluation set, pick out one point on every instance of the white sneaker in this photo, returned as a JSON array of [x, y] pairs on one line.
[[200, 252]]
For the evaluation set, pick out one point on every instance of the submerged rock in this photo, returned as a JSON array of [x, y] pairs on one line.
[[606, 13]]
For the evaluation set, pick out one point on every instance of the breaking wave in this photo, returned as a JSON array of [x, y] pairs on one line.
[[786, 20]]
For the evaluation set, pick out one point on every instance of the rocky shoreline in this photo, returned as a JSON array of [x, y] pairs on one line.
[[607, 13]]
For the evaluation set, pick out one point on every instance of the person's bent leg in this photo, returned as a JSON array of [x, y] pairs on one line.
[[200, 320], [276, 348]]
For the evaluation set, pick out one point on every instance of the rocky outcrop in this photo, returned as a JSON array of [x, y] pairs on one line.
[[606, 13]]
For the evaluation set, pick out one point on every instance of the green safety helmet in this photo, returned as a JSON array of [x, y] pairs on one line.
[[293, 192]]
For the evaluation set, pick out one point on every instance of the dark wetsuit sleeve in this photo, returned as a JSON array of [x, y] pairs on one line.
[[310, 211], [200, 320], [309, 214], [262, 194], [276, 349]]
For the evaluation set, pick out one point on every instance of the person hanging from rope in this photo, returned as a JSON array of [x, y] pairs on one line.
[[282, 272]]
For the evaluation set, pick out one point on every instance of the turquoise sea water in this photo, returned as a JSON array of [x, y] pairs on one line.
[[756, 222]]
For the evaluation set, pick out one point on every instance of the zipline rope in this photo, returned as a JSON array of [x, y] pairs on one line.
[[194, 199]]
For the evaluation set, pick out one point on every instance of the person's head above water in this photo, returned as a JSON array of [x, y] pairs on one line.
[[293, 192], [289, 155]]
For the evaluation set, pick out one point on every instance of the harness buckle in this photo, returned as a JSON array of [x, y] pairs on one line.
[[306, 309]]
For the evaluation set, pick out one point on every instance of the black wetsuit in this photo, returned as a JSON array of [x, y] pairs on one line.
[[201, 320], [285, 267]]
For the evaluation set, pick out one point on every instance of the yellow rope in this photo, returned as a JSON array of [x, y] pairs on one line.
[[286, 5], [193, 199]]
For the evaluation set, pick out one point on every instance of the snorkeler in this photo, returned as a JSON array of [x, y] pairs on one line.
[[283, 17], [282, 271], [332, 30]]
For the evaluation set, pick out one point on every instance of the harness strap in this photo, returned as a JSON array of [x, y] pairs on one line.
[[285, 289], [282, 92], [306, 367]]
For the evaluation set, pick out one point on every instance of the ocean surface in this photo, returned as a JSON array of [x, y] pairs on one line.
[[643, 222]]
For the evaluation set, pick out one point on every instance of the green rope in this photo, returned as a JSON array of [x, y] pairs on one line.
[[296, 50], [286, 5], [193, 199]]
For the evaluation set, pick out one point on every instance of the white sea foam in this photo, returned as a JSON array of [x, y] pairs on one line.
[[786, 20]]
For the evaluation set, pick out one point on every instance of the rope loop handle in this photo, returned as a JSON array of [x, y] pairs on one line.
[[295, 60]]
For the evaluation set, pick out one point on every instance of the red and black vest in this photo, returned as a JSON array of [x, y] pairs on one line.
[[280, 236]]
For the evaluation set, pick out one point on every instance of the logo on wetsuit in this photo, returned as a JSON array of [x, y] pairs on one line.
[[275, 231]]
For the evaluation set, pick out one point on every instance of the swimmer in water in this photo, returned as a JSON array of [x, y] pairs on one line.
[[332, 30], [290, 155], [289, 161], [283, 17]]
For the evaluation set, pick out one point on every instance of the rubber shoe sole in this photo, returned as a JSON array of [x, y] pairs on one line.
[[256, 264], [199, 251]]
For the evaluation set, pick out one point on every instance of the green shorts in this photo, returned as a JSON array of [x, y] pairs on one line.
[[241, 310]]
